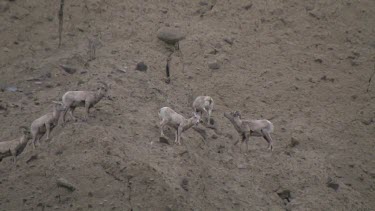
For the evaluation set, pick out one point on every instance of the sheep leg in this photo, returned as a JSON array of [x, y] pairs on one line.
[[71, 111], [14, 159], [34, 140], [48, 128], [209, 117], [204, 111], [64, 114], [240, 139], [268, 138], [176, 137], [179, 131], [162, 125], [246, 139], [37, 140], [87, 107]]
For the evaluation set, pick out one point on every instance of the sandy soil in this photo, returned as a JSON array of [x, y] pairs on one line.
[[305, 65]]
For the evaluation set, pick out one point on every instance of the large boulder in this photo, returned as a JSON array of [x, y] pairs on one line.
[[170, 35]]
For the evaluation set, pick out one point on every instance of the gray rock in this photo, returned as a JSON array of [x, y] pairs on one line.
[[170, 35], [163, 140], [229, 40], [285, 195], [214, 65], [11, 89], [332, 184], [185, 184], [61, 182], [293, 142], [141, 66], [70, 70]]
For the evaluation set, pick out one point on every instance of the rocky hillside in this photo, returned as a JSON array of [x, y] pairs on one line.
[[308, 66]]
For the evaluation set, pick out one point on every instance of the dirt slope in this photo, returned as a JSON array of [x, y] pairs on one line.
[[305, 65]]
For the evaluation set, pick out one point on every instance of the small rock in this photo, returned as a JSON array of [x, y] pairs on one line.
[[11, 89], [229, 40], [212, 121], [68, 69], [332, 184], [164, 10], [141, 66], [318, 61], [214, 65], [367, 121], [285, 195], [325, 78], [49, 85], [241, 166], [120, 69], [294, 142], [170, 35], [61, 182], [203, 3], [184, 184], [163, 140], [33, 157], [248, 6]]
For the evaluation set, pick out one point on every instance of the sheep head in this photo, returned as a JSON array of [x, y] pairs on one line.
[[58, 106], [196, 119], [25, 131], [232, 114]]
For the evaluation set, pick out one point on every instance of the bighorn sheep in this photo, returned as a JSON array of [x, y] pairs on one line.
[[46, 123], [169, 117], [246, 128], [14, 147], [204, 104], [87, 99]]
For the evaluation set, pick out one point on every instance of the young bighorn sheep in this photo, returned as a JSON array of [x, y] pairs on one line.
[[87, 99], [204, 104], [169, 117], [46, 123], [14, 147], [246, 128]]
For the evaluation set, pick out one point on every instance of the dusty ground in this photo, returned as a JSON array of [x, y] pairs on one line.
[[304, 64]]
